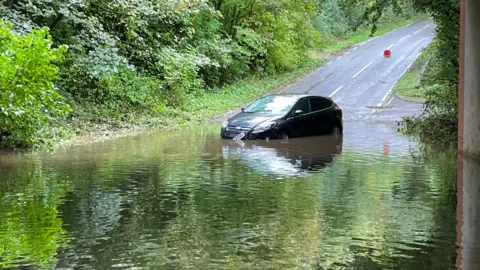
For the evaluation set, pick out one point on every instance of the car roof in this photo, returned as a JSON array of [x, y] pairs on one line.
[[294, 95]]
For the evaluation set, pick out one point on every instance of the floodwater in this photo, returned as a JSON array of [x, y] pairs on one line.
[[186, 199]]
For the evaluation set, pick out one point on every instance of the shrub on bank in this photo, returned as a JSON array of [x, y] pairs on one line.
[[28, 97]]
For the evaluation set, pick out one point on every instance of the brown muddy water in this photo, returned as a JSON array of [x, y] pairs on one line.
[[186, 199]]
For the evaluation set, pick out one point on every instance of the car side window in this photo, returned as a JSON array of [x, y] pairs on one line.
[[319, 104], [302, 105]]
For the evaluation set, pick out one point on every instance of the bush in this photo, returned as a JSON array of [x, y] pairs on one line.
[[180, 73], [438, 124], [126, 91], [28, 98]]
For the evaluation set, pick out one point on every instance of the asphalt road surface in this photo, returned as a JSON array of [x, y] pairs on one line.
[[361, 81]]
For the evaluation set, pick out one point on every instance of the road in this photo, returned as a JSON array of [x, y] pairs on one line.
[[362, 79]]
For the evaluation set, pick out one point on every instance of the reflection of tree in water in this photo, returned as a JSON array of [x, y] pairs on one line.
[[97, 214], [403, 227], [212, 212], [30, 224], [109, 221]]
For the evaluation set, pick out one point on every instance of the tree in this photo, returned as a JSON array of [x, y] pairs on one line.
[[28, 98]]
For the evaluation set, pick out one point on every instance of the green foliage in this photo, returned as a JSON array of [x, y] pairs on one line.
[[180, 73], [127, 91], [31, 229], [28, 98], [364, 33], [128, 58], [438, 123], [334, 22]]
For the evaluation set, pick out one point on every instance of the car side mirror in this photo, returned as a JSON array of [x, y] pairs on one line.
[[298, 112]]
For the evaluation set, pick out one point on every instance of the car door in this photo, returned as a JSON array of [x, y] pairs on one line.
[[300, 125], [322, 109]]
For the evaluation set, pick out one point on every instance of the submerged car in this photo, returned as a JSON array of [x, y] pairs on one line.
[[284, 116]]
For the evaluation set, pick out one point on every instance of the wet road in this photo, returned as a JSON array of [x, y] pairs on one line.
[[363, 77]]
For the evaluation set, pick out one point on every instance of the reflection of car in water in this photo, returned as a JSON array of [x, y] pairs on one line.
[[283, 116], [284, 158]]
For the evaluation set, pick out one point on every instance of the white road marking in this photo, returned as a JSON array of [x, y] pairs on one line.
[[339, 57], [395, 83], [417, 31], [389, 102], [362, 70], [386, 105], [405, 38], [354, 48], [334, 92], [329, 63], [347, 53], [428, 25]]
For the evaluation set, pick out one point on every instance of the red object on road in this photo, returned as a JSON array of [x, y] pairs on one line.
[[387, 53]]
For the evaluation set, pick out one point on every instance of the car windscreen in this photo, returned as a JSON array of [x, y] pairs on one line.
[[272, 105]]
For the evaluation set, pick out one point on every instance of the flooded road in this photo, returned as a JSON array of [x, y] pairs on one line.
[[186, 199]]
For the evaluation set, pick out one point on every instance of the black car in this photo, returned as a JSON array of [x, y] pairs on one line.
[[283, 116]]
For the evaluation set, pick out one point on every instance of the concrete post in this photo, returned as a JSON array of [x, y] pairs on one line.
[[469, 95], [468, 207], [468, 214]]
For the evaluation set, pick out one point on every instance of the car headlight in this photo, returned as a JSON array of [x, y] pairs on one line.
[[225, 124], [263, 127]]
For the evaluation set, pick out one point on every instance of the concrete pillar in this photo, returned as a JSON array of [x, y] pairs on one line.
[[468, 214], [468, 208], [469, 94]]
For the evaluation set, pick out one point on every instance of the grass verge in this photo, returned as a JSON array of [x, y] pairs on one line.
[[410, 87], [218, 102]]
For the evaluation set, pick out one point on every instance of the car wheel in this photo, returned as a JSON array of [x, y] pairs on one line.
[[283, 136], [336, 131]]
